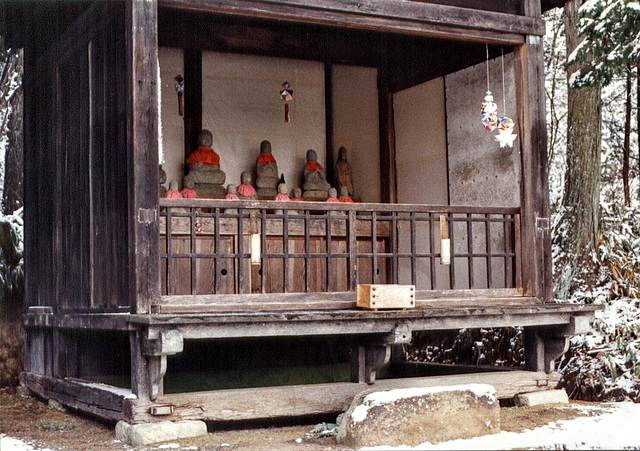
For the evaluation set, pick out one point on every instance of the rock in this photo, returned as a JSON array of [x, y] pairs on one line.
[[542, 397], [417, 415], [146, 433], [55, 405]]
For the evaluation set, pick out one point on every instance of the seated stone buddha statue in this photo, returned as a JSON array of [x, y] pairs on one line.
[[204, 169]]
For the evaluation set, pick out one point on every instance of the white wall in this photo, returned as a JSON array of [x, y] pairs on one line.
[[355, 126], [421, 170], [421, 144], [171, 64], [241, 106]]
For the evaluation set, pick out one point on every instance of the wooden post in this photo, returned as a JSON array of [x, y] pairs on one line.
[[388, 183], [142, 144], [536, 237], [192, 99]]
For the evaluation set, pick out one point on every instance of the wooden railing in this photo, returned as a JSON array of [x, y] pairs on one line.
[[331, 247]]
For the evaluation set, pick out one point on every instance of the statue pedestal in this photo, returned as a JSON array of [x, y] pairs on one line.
[[315, 195]]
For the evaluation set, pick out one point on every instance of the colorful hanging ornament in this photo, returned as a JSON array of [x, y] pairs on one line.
[[505, 124], [488, 109], [489, 112], [287, 96], [180, 91]]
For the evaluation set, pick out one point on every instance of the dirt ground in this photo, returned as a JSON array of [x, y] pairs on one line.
[[33, 421]]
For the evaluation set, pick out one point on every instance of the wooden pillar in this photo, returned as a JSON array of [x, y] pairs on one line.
[[536, 236], [142, 147], [192, 99], [328, 125], [387, 133]]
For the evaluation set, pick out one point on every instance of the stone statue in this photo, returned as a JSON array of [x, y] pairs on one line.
[[204, 168], [188, 192], [162, 179], [315, 184], [333, 195], [344, 196], [173, 192], [267, 170], [282, 193], [246, 189], [296, 195], [344, 177], [232, 192]]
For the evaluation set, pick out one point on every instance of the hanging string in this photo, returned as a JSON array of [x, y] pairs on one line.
[[504, 96], [487, 45]]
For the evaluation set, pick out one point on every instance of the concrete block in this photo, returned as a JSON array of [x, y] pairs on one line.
[[146, 433], [416, 415], [541, 398]]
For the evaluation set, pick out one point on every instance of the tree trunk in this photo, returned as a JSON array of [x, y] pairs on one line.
[[626, 147], [12, 189], [579, 222], [638, 119]]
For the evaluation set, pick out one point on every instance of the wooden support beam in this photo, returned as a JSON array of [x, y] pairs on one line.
[[536, 234], [427, 19], [192, 99], [316, 399], [101, 400], [142, 145]]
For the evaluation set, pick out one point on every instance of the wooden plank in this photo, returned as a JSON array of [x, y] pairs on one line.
[[316, 399], [407, 17], [101, 400], [535, 244], [142, 147]]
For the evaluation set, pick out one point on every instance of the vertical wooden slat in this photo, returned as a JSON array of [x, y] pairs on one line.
[[432, 252], [374, 248], [328, 219], [142, 146], [218, 251], [518, 250], [470, 248], [414, 244], [394, 247], [169, 243], [452, 266], [285, 243], [263, 250], [487, 230], [307, 252], [193, 250], [240, 255], [353, 251], [506, 233]]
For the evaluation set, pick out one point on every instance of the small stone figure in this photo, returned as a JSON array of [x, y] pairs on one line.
[[333, 195], [282, 193], [204, 168], [173, 192], [188, 192], [296, 195], [315, 185], [344, 177], [344, 196], [232, 192], [267, 170], [162, 179], [246, 189]]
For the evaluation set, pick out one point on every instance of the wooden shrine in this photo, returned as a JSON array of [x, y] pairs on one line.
[[125, 289]]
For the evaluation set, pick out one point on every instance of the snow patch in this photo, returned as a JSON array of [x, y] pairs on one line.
[[380, 398]]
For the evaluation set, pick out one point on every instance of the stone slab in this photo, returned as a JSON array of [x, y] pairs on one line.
[[413, 416], [147, 433], [541, 398]]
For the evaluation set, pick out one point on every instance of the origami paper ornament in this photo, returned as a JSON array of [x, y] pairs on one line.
[[287, 96], [489, 112], [506, 137], [180, 92]]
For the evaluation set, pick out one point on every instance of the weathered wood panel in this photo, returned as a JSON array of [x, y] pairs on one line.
[[298, 400], [142, 151], [409, 17], [100, 400]]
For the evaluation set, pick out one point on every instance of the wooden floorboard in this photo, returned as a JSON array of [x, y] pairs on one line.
[[299, 400]]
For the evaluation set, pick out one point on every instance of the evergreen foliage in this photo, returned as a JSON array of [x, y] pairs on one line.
[[610, 32]]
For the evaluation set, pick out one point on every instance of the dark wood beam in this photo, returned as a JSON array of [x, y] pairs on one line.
[[403, 17], [192, 99], [142, 146]]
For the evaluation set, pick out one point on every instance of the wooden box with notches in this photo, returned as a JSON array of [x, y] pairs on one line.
[[376, 296]]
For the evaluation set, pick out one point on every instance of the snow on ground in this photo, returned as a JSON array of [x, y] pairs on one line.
[[615, 427], [14, 444]]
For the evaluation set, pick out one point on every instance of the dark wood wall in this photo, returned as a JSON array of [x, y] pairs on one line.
[[76, 158]]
